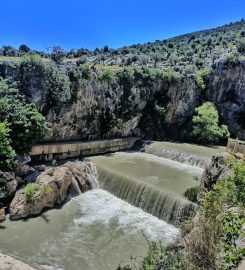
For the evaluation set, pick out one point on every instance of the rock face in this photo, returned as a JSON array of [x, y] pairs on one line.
[[51, 188], [97, 109], [215, 171], [227, 91]]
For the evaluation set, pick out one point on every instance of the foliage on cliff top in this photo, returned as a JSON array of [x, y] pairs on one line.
[[202, 77], [34, 74], [26, 125], [205, 125]]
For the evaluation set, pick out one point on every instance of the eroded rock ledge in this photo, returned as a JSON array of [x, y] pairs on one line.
[[51, 188]]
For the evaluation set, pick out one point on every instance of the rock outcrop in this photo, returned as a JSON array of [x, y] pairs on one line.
[[51, 188], [215, 171]]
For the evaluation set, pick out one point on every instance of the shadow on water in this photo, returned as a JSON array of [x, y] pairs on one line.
[[2, 227]]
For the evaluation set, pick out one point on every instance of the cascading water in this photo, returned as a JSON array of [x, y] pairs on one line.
[[187, 158], [151, 183], [194, 155], [165, 205]]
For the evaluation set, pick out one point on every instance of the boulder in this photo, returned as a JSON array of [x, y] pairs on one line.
[[6, 176], [51, 188], [9, 182], [22, 168], [84, 173], [11, 187]]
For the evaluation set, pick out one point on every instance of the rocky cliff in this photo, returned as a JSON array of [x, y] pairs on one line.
[[153, 108]]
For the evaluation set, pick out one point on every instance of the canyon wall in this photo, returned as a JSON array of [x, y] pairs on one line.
[[152, 108]]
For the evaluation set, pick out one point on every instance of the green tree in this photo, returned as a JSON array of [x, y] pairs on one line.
[[26, 125], [57, 54], [7, 153], [205, 125]]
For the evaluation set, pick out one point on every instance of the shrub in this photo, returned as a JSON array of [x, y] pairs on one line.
[[57, 54], [7, 153], [32, 188], [191, 193], [205, 125], [241, 46], [218, 228], [171, 76], [108, 76], [232, 59], [26, 125], [126, 78], [202, 77], [82, 60]]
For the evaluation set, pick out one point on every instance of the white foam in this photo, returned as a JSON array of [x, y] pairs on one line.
[[99, 206]]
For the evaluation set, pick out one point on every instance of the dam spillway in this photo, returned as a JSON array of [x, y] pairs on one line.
[[151, 183], [140, 199]]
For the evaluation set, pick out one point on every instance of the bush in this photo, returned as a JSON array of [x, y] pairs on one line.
[[32, 188], [171, 76], [57, 54], [82, 60], [241, 46], [108, 76], [202, 77], [7, 153], [232, 59], [205, 125], [126, 79], [26, 125], [191, 194]]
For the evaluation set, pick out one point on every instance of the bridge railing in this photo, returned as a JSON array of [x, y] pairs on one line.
[[236, 147]]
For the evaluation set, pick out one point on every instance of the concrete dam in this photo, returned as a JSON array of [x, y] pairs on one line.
[[65, 150]]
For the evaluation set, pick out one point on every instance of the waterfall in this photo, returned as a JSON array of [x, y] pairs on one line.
[[168, 206], [187, 158], [92, 175]]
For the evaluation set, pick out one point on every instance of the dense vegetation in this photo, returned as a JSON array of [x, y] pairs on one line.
[[21, 124], [186, 54]]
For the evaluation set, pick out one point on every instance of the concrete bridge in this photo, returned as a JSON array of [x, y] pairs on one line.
[[65, 150], [236, 147]]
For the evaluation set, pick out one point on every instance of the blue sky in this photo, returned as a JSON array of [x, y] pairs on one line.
[[94, 23]]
